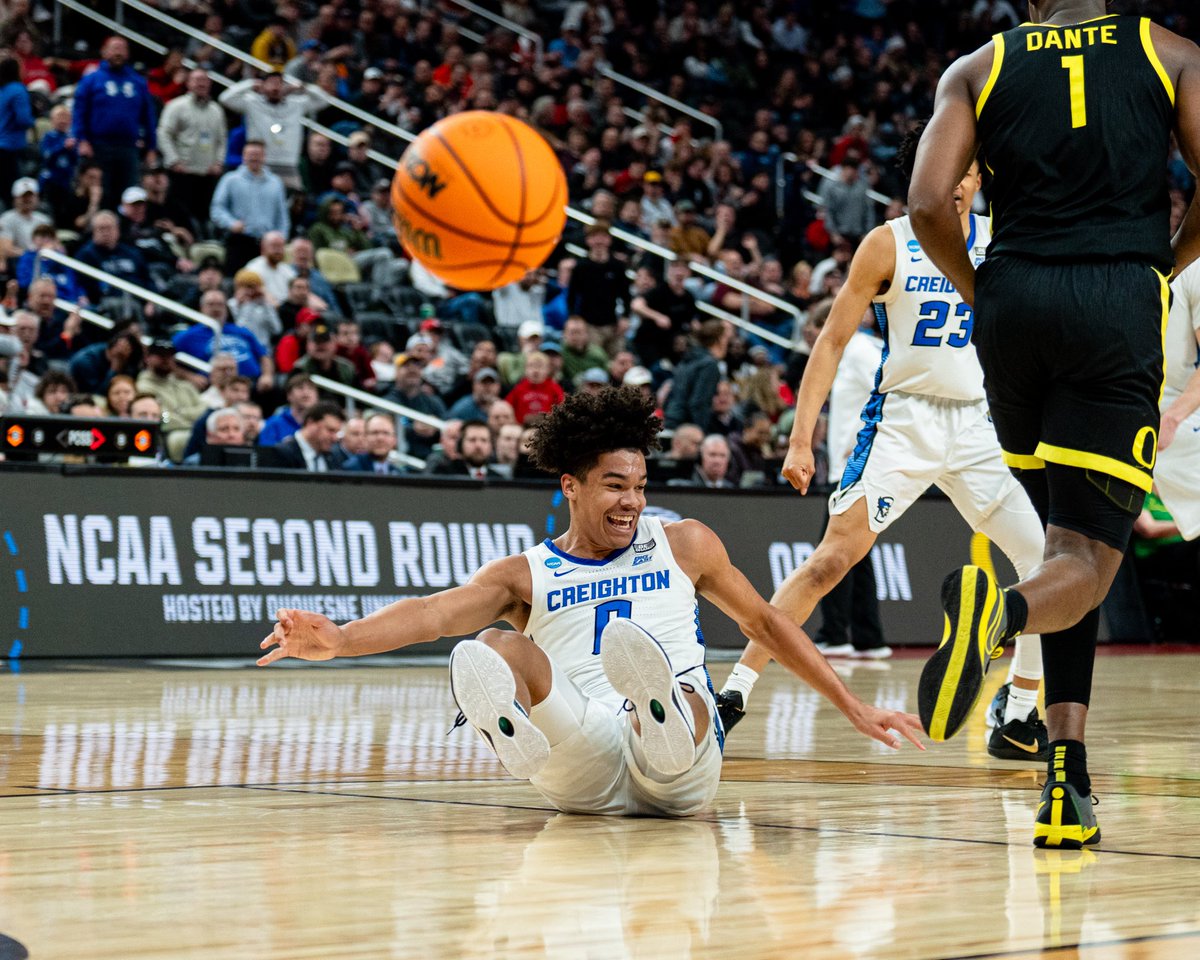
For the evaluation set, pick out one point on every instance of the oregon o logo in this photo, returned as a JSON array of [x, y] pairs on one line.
[[1146, 437]]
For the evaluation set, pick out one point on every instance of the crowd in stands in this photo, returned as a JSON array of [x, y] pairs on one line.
[[194, 176]]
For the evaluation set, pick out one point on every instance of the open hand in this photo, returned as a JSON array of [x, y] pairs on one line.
[[878, 725], [303, 635]]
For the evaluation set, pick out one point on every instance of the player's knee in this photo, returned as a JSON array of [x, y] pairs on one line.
[[508, 643], [829, 564]]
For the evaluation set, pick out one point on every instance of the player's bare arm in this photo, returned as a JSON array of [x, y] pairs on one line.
[[499, 591], [1181, 60], [703, 558], [947, 149], [1183, 407], [871, 270]]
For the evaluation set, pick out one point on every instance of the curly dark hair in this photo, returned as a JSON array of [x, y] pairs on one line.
[[576, 433], [906, 153]]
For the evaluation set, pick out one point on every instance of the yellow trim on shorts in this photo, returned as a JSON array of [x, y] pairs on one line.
[[1164, 291], [1157, 64], [997, 63], [1095, 461], [1022, 461]]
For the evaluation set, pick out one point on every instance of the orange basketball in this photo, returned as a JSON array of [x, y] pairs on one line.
[[479, 199]]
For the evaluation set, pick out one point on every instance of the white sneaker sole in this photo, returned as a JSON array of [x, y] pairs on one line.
[[640, 671], [482, 684]]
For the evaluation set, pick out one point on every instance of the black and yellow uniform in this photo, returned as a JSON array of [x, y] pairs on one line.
[[1071, 303]]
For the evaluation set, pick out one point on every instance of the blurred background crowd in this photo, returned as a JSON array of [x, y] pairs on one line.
[[753, 140]]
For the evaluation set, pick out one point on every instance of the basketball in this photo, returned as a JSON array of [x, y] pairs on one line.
[[479, 199]]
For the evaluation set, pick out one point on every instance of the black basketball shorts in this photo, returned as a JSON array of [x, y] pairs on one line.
[[1072, 358]]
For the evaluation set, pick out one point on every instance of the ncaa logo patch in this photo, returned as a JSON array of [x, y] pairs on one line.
[[882, 506], [552, 563]]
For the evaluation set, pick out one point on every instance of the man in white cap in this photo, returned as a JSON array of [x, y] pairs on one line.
[[529, 340], [17, 225], [138, 231]]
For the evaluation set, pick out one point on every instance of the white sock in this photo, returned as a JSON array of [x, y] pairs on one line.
[[560, 715], [1020, 703], [741, 679]]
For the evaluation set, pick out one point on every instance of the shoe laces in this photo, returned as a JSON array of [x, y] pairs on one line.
[[459, 721], [628, 707]]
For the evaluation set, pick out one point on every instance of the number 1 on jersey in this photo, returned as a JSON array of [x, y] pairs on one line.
[[605, 612], [1074, 67]]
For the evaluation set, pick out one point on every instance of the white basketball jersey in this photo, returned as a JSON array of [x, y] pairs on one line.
[[1181, 356], [574, 598], [926, 326]]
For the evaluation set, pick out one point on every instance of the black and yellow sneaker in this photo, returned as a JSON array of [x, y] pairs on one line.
[[730, 709], [1025, 739], [1065, 820], [953, 677]]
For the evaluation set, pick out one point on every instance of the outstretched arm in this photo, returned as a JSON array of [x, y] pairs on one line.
[[874, 264], [495, 593], [945, 153], [704, 558]]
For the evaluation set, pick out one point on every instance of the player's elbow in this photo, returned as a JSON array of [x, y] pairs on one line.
[[923, 210]]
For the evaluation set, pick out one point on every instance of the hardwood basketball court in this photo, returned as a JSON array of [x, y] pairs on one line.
[[173, 810]]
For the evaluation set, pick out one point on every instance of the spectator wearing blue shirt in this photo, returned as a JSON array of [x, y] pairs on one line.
[[107, 253], [202, 341], [60, 157], [45, 237], [16, 117], [248, 203], [93, 367], [301, 395], [485, 389], [303, 259], [115, 119]]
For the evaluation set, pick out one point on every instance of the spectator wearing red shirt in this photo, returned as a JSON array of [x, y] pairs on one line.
[[348, 337], [536, 393], [292, 344]]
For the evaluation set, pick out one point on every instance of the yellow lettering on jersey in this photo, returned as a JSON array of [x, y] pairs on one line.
[[1091, 35], [1108, 34], [1035, 41], [1053, 40], [1073, 39]]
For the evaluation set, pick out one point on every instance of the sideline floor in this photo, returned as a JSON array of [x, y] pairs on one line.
[[275, 814]]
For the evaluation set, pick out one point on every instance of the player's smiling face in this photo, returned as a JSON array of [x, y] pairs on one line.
[[968, 186], [609, 500]]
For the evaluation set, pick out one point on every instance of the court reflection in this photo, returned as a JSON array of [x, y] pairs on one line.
[[600, 887], [207, 734]]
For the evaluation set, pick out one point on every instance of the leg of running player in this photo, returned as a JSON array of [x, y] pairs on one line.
[[848, 539], [1015, 528]]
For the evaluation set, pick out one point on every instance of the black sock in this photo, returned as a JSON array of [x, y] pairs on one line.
[[1016, 613], [1068, 761]]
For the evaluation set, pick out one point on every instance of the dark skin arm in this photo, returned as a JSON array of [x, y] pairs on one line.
[[1181, 60], [947, 148], [950, 142]]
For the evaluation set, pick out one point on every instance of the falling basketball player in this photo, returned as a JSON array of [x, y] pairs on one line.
[[1074, 114], [925, 423], [599, 696]]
